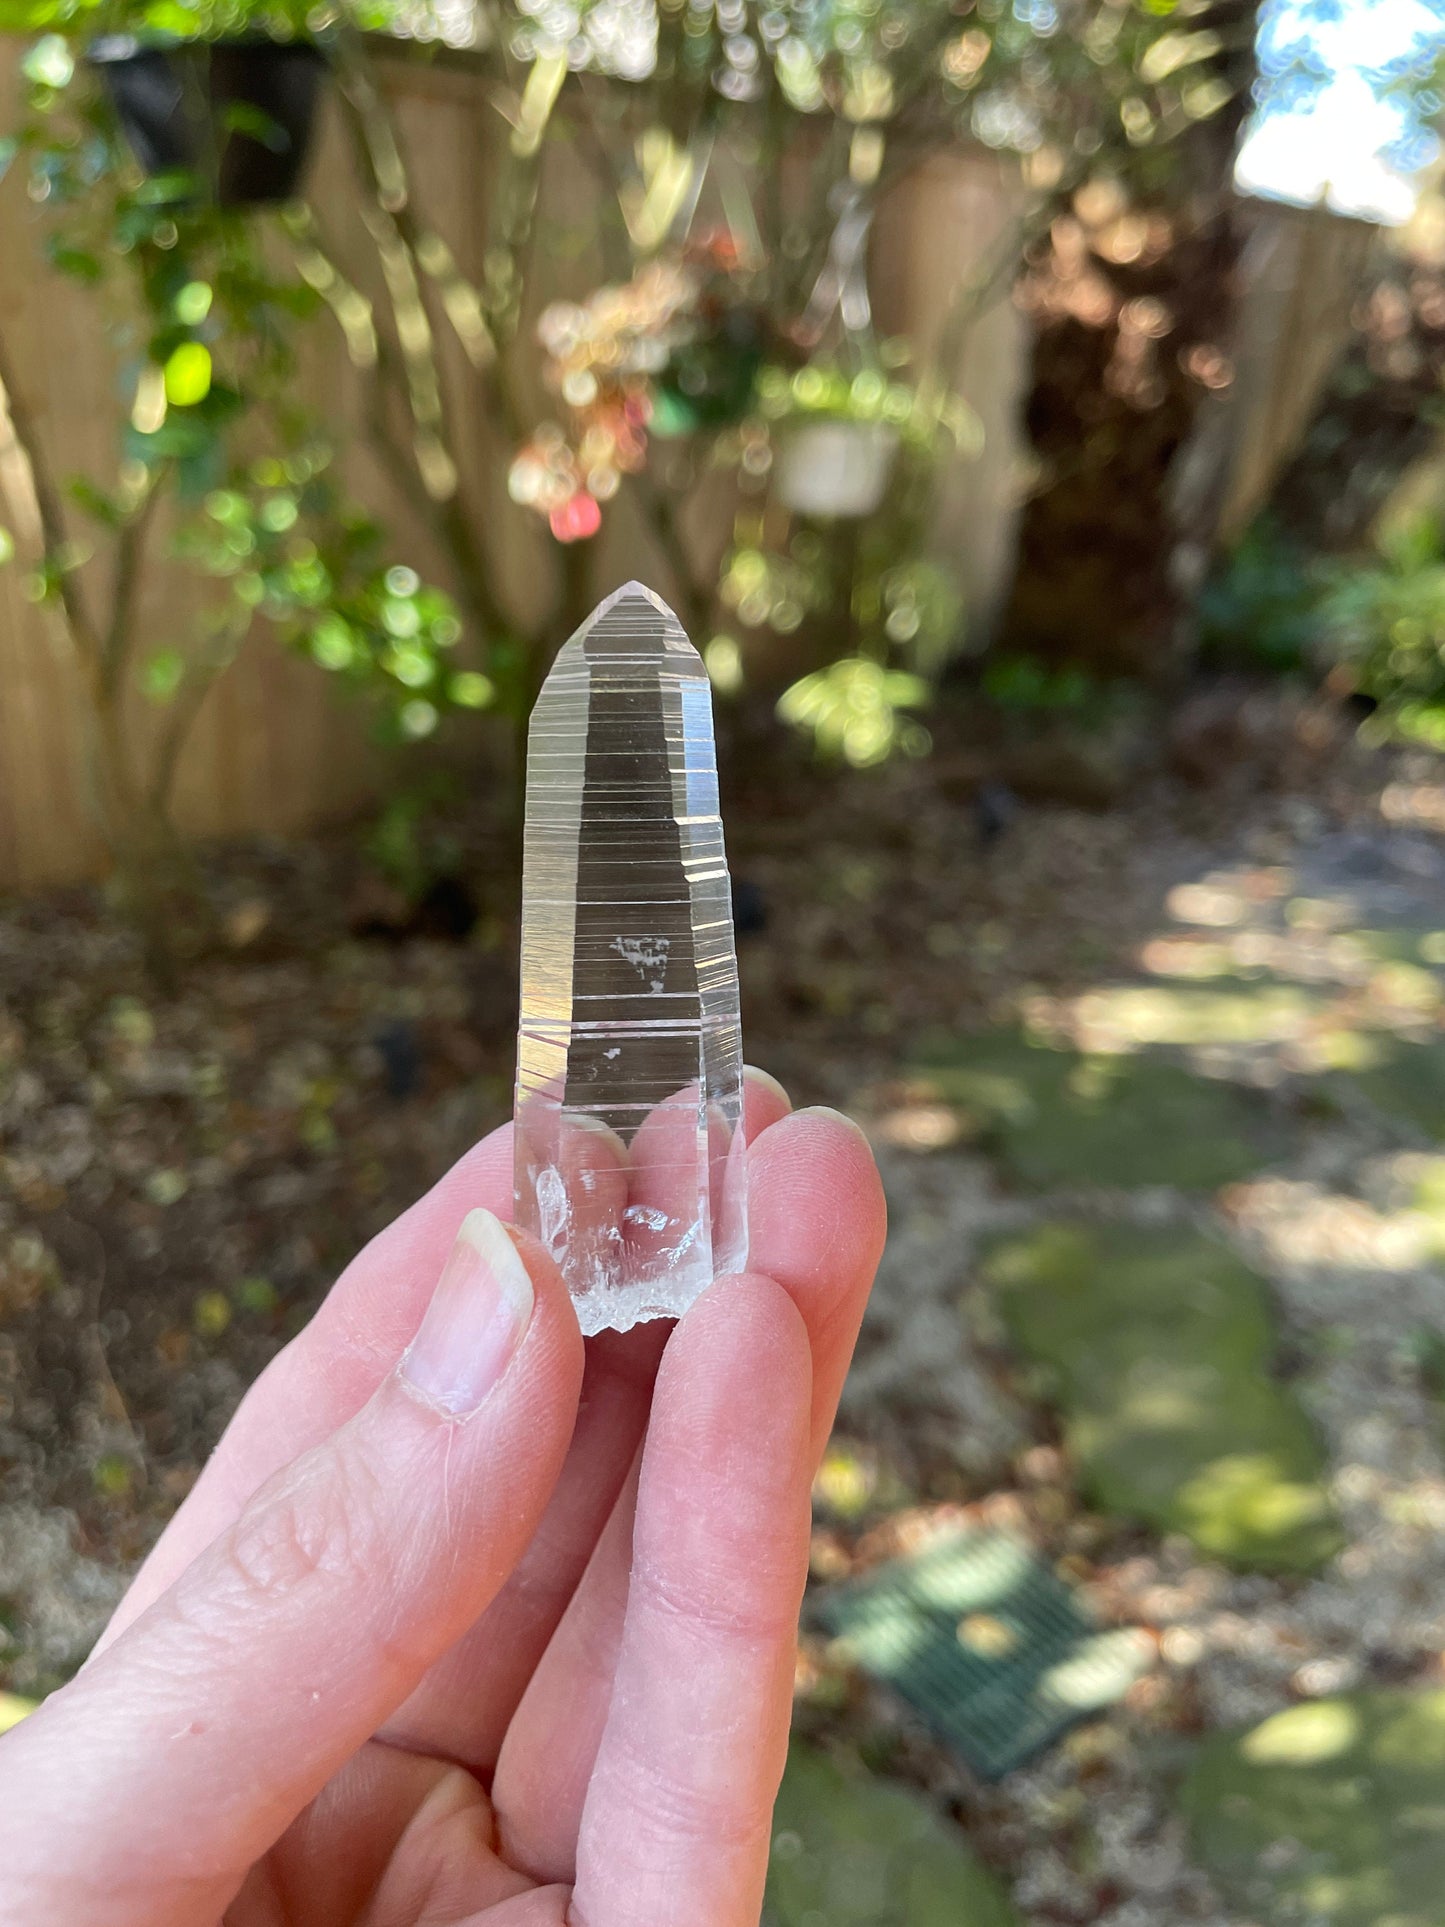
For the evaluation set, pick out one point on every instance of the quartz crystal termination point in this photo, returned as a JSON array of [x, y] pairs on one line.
[[630, 1159]]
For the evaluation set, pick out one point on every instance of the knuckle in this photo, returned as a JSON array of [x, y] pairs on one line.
[[313, 1532], [677, 1807], [715, 1607]]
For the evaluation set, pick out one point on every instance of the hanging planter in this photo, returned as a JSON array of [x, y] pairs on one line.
[[709, 378], [236, 115], [835, 468]]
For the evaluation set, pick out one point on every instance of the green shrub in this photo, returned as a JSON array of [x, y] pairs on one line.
[[1385, 618]]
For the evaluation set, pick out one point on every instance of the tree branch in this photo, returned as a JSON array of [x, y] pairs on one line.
[[55, 540], [201, 677], [129, 560], [430, 471]]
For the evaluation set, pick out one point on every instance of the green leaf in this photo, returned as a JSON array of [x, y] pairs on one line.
[[7, 547], [418, 718], [225, 505], [242, 117], [94, 501], [401, 619], [1173, 51], [469, 689], [193, 303], [159, 192], [411, 666], [278, 513], [188, 375], [78, 263], [257, 1295], [49, 63], [333, 645], [163, 675]]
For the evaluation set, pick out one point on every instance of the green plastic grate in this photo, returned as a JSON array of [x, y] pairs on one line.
[[992, 1649]]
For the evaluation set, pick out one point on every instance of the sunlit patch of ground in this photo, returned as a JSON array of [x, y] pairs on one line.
[[1304, 997]]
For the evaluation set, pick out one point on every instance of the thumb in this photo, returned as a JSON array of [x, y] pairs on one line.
[[142, 1792]]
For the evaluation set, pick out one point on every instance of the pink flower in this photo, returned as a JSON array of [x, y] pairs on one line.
[[575, 520]]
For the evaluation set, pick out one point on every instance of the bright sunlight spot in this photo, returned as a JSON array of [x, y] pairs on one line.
[[1331, 125]]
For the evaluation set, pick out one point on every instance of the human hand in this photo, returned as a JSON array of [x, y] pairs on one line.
[[471, 1625]]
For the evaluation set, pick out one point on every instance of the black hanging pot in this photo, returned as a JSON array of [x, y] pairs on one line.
[[234, 115]]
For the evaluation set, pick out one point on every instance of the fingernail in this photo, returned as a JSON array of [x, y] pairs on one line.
[[476, 1319], [590, 1135], [838, 1117], [766, 1082]]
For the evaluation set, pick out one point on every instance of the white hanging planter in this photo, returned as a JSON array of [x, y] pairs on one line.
[[834, 468]]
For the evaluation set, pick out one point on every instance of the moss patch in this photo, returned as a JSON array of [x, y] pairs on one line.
[[1407, 1083], [1055, 1117], [1156, 1345], [851, 1851], [1332, 1813]]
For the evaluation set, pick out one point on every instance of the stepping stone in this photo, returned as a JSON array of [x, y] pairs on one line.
[[1155, 1343], [852, 1851], [988, 1645], [1057, 1118], [1331, 1814]]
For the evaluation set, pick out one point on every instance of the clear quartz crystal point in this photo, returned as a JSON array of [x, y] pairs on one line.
[[630, 1155]]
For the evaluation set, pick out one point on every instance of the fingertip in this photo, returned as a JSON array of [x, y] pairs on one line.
[[764, 1101], [817, 1221], [815, 1171]]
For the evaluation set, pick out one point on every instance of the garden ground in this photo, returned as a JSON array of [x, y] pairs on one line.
[[1157, 1090]]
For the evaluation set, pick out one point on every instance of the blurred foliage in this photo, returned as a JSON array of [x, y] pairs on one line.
[[1025, 683], [221, 471], [181, 19], [1380, 614], [1385, 617], [1259, 607], [411, 842], [731, 319], [854, 1853], [204, 330], [855, 710], [742, 313], [1020, 75]]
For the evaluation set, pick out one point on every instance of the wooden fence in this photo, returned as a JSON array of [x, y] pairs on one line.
[[277, 748], [1302, 272]]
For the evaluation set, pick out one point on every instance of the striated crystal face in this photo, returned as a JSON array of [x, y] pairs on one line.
[[630, 1155]]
